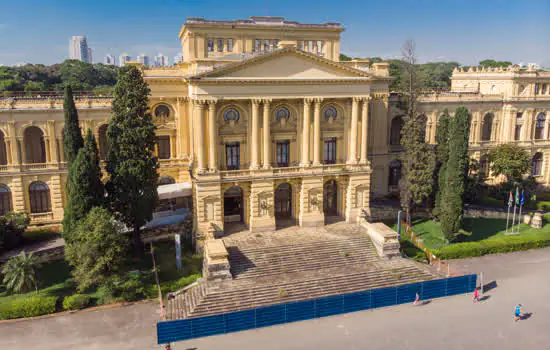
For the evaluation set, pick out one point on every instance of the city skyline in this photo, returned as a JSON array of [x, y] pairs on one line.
[[467, 32]]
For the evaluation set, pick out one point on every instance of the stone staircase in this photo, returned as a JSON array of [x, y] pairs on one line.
[[285, 273]]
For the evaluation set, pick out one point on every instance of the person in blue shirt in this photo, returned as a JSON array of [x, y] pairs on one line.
[[517, 313]]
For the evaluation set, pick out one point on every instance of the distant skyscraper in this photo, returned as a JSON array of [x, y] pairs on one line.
[[109, 59], [143, 59], [78, 49], [178, 59], [161, 60], [122, 59]]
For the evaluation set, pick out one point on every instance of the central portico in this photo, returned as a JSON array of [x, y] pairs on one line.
[[282, 138]]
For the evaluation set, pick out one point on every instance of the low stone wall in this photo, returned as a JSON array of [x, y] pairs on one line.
[[216, 262], [384, 238]]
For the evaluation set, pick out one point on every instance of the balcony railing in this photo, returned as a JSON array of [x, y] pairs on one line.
[[33, 167], [37, 218]]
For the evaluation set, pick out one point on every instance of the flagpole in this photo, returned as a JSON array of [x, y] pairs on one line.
[[521, 202], [514, 217], [519, 219], [508, 216]]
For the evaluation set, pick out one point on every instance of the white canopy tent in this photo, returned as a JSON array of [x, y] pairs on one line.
[[182, 189]]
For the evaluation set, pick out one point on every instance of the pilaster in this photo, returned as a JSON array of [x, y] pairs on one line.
[[305, 132], [364, 130], [317, 131], [212, 151], [262, 214], [352, 158], [254, 163], [266, 135], [311, 202], [357, 196]]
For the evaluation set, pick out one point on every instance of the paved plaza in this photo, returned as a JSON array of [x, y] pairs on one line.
[[451, 323]]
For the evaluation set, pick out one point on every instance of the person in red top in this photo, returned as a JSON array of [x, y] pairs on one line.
[[476, 295]]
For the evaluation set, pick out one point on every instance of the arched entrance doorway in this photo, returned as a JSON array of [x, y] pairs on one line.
[[233, 205], [283, 203], [330, 198]]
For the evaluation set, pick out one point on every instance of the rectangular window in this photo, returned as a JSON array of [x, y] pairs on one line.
[[233, 155], [229, 45], [537, 88], [283, 153], [257, 45], [210, 45], [517, 134], [220, 45], [330, 151], [164, 147]]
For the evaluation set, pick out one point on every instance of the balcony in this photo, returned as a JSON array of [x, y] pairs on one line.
[[41, 218]]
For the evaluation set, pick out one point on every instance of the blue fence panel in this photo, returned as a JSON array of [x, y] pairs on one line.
[[240, 320], [302, 310], [170, 331], [383, 297], [433, 289], [357, 301], [407, 292], [270, 315], [329, 306]]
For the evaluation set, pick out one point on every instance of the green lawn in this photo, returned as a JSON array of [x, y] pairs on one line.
[[485, 236], [56, 279]]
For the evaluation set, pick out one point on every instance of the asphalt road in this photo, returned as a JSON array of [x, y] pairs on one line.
[[451, 323]]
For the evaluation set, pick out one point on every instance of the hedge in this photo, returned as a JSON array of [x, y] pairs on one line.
[[76, 302], [29, 307], [491, 246]]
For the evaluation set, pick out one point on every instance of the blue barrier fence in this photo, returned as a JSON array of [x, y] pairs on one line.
[[177, 330]]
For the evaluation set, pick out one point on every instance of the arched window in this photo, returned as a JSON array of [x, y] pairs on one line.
[[39, 194], [487, 127], [35, 149], [484, 166], [166, 180], [536, 166], [5, 199], [162, 111], [103, 143], [282, 113], [3, 151], [395, 132], [330, 112], [231, 114], [395, 173], [539, 126]]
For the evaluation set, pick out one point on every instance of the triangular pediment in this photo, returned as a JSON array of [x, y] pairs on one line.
[[287, 63]]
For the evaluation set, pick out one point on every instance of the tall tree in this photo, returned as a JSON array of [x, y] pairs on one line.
[[97, 250], [442, 152], [85, 189], [418, 157], [455, 177], [72, 136], [132, 167]]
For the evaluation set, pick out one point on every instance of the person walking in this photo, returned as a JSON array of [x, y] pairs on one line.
[[517, 312], [416, 299], [476, 295]]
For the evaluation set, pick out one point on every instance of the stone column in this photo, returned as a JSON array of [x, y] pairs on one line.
[[305, 133], [199, 132], [47, 147], [352, 157], [54, 157], [173, 152], [212, 151], [254, 164], [23, 153], [317, 131], [267, 135], [364, 130], [14, 148]]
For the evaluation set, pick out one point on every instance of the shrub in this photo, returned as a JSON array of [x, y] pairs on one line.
[[12, 226], [29, 307], [491, 246], [20, 273], [76, 302]]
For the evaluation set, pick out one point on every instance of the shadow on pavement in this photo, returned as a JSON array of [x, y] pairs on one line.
[[526, 316], [425, 302], [489, 286], [483, 298]]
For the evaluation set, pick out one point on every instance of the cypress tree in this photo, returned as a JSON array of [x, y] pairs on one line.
[[72, 136], [442, 152], [452, 203], [132, 167], [85, 189]]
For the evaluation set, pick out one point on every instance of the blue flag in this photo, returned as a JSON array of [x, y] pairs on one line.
[[522, 201]]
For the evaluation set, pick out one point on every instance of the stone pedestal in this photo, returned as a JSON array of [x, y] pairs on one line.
[[262, 215], [357, 196], [311, 202], [215, 264], [207, 210], [536, 221], [384, 238]]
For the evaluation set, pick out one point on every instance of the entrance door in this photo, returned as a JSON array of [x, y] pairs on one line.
[[283, 202], [233, 205], [330, 198]]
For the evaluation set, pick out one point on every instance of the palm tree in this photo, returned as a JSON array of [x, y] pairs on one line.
[[20, 273]]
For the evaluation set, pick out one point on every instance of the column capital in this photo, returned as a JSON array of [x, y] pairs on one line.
[[308, 100], [256, 101], [212, 102], [318, 100], [199, 103], [266, 101], [357, 98]]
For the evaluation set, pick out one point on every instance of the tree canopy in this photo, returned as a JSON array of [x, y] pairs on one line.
[[39, 77], [510, 160], [495, 64]]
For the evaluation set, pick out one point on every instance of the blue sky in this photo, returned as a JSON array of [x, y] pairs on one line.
[[38, 31]]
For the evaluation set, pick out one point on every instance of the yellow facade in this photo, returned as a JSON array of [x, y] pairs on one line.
[[268, 126]]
